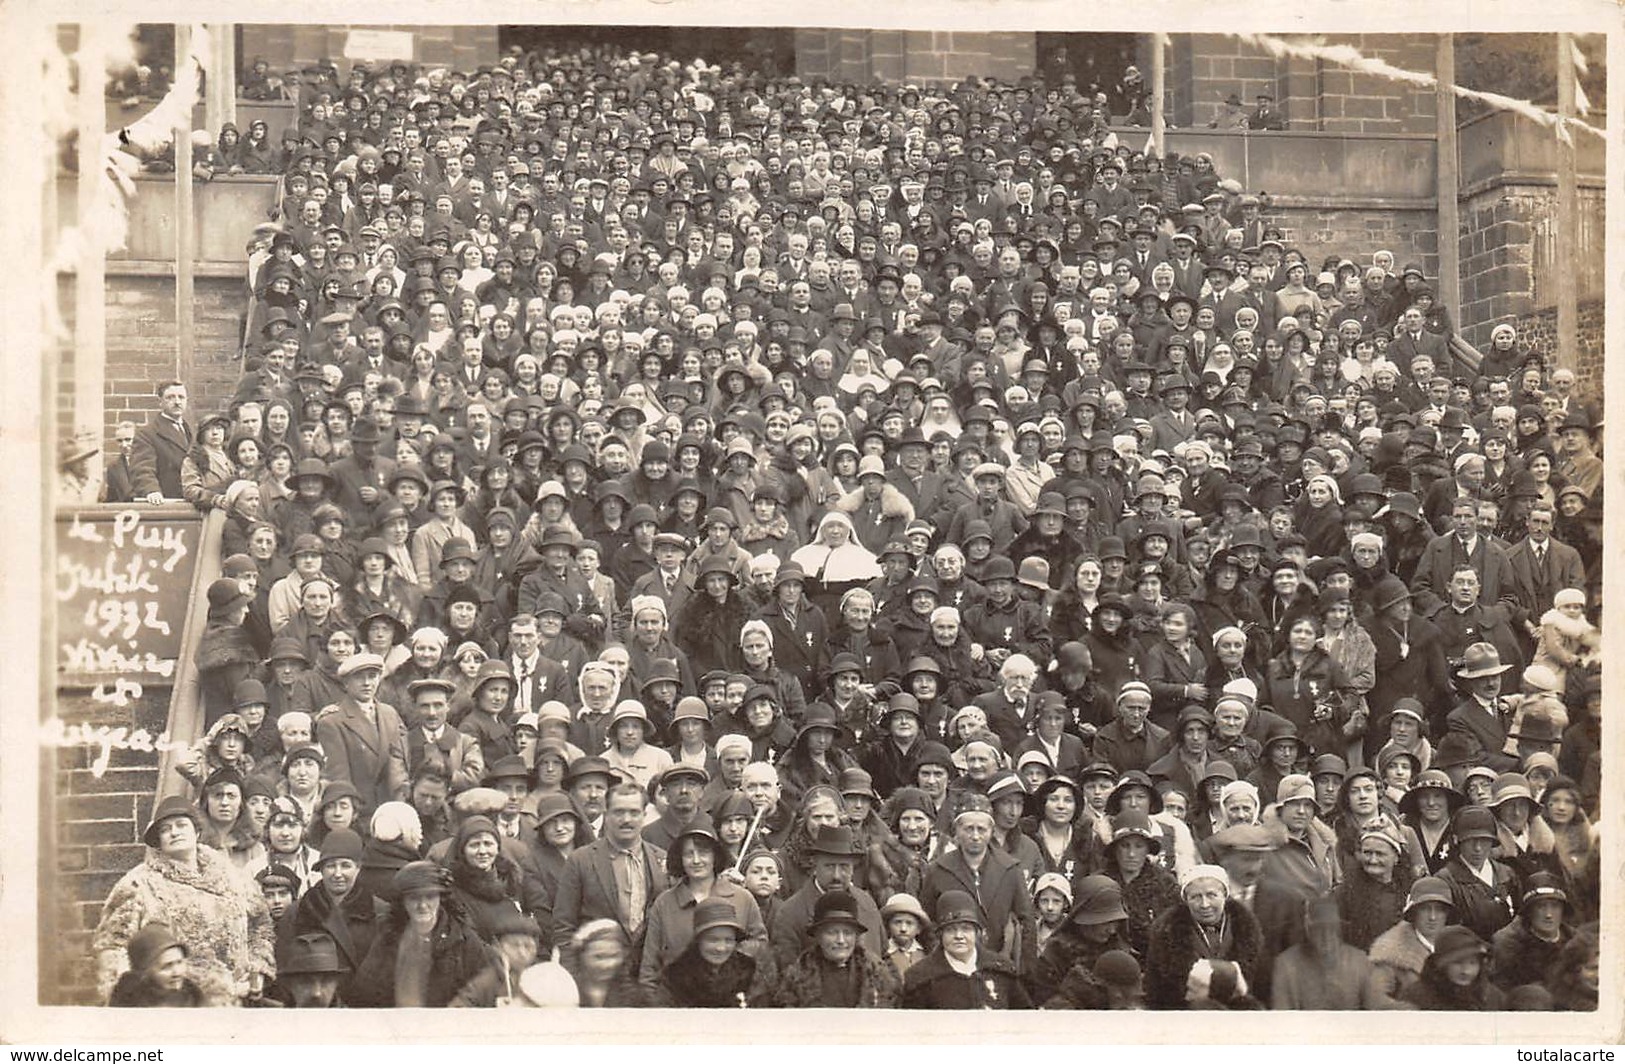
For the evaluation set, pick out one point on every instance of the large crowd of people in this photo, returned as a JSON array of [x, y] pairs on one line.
[[697, 540]]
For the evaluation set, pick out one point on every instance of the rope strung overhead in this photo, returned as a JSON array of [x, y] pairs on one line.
[[1348, 56]]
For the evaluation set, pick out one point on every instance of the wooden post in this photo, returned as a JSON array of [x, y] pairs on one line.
[[1449, 181], [1159, 89], [1568, 215], [90, 272], [220, 94], [185, 224]]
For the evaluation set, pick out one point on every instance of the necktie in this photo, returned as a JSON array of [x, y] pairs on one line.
[[636, 891]]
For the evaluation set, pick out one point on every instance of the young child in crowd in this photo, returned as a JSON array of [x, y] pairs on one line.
[[1052, 897], [1405, 723], [1398, 766], [1567, 640], [905, 923]]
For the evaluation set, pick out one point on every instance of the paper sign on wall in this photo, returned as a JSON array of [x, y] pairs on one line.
[[380, 45]]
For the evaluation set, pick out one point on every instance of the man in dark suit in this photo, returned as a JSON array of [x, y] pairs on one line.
[[160, 446], [361, 477], [912, 475], [483, 444], [1187, 267], [1412, 338], [982, 203], [118, 477], [363, 738], [537, 678], [1541, 567], [1466, 620], [1143, 254], [1482, 717], [615, 878], [1462, 546], [834, 853], [431, 736]]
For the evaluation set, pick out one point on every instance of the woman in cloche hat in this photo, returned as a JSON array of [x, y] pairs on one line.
[[960, 973], [427, 949]]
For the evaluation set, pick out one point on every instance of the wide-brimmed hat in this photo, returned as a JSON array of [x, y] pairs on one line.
[[630, 709], [1430, 781], [1457, 940], [1479, 660], [835, 908], [1131, 823], [582, 767], [172, 806], [716, 912], [312, 953], [512, 767], [1473, 821], [904, 903], [1098, 899], [1426, 889], [309, 467], [836, 841], [1114, 801], [1509, 786], [689, 708], [819, 715], [958, 907]]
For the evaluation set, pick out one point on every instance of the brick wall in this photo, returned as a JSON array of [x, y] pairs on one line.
[[458, 47], [1314, 95], [96, 835], [141, 345], [913, 55], [1412, 234]]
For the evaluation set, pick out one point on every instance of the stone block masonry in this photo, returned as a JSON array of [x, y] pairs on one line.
[[913, 55], [1538, 331], [1508, 260]]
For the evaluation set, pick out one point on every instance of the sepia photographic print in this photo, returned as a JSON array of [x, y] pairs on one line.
[[963, 508]]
